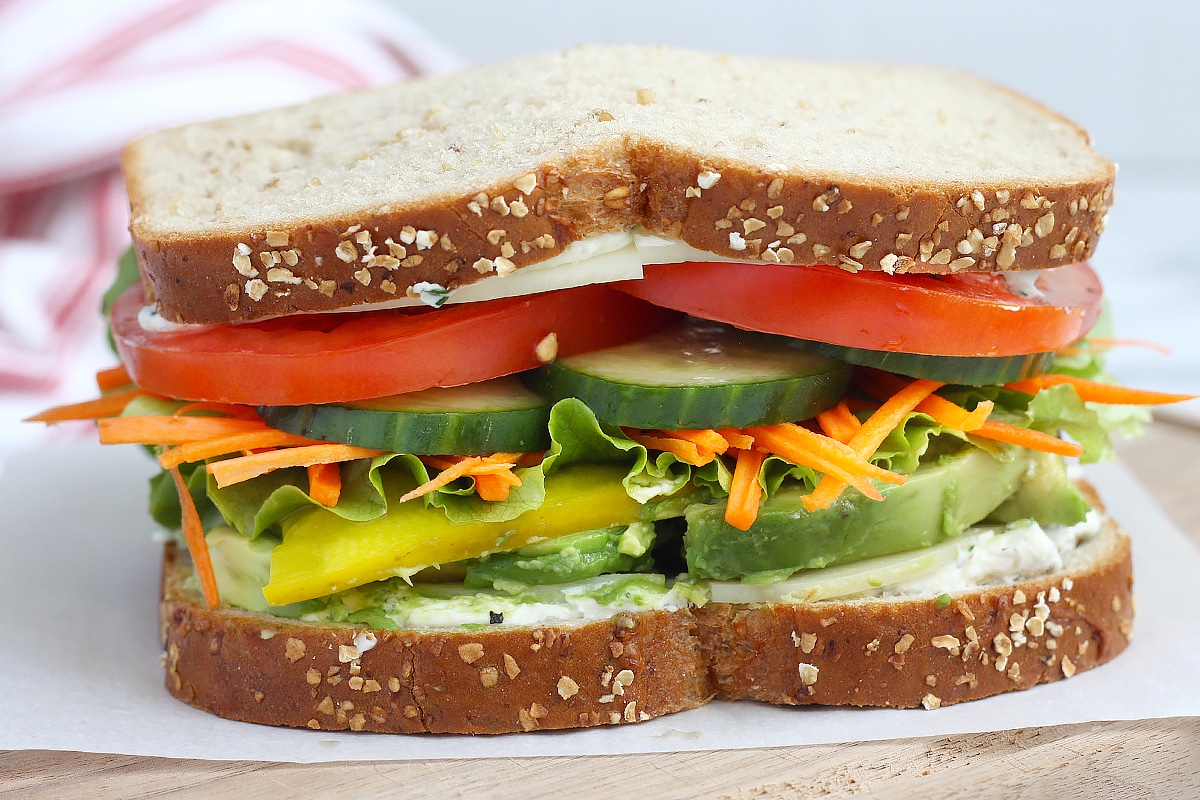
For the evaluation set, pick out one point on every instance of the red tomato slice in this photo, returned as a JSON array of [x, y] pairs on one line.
[[327, 358], [971, 314]]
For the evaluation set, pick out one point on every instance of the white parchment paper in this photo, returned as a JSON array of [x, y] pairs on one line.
[[79, 653]]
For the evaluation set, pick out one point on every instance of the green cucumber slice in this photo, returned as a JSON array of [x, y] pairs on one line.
[[496, 416], [965, 370], [700, 374]]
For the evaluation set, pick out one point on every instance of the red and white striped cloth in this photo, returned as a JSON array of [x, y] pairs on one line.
[[79, 79]]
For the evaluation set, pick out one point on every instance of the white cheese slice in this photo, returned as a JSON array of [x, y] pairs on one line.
[[603, 258]]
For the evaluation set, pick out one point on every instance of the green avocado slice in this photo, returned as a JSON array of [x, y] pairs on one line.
[[939, 501]]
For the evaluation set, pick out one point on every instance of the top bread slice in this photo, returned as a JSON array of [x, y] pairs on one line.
[[352, 198]]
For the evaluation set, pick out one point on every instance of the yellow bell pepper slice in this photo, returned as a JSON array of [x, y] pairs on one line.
[[322, 553]]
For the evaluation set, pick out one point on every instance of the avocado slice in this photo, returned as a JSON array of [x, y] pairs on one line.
[[939, 501], [567, 559], [1046, 494]]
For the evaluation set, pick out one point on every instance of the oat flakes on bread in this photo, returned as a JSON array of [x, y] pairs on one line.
[[869, 423], [354, 198], [563, 674], [893, 652], [901, 652]]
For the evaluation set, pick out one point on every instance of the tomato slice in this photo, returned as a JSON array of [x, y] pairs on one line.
[[327, 358], [971, 314]]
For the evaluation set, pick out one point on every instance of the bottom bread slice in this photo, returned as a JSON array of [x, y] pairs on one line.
[[898, 652], [258, 668], [922, 651]]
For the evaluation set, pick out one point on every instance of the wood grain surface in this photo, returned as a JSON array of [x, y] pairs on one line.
[[1148, 759]]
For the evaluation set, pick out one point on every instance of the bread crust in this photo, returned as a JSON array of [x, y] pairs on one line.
[[901, 653], [906, 653], [907, 229], [740, 210], [257, 668]]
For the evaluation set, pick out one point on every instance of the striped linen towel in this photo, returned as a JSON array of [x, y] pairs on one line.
[[79, 79]]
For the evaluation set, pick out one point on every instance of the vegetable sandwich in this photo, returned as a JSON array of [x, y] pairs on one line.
[[589, 387]]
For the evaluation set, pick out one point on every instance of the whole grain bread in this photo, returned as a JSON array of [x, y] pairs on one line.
[[354, 198], [902, 652], [905, 653], [258, 668]]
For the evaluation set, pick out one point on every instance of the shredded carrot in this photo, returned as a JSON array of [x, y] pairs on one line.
[[440, 462], [870, 435], [530, 459], [682, 449], [953, 415], [325, 483], [268, 438], [705, 440], [486, 467], [113, 378], [737, 439], [1097, 392], [493, 474], [801, 446], [1034, 440], [109, 405], [496, 486], [450, 473], [243, 468], [228, 409], [1102, 344], [171, 430], [838, 423], [494, 463], [193, 535], [745, 492]]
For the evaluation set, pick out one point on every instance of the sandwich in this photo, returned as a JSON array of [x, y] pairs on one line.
[[593, 386]]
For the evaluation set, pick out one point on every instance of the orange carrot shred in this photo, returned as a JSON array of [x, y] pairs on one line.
[[1031, 439], [871, 434], [838, 423], [109, 405], [738, 439], [171, 430], [234, 443], [113, 378], [493, 474], [953, 415], [705, 440], [440, 462], [228, 409], [450, 473], [1097, 392], [801, 446], [193, 535], [745, 492], [684, 450], [243, 468], [1102, 344], [495, 486], [325, 483], [530, 459]]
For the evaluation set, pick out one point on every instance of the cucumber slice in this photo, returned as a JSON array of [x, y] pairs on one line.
[[965, 370], [496, 416], [700, 374]]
